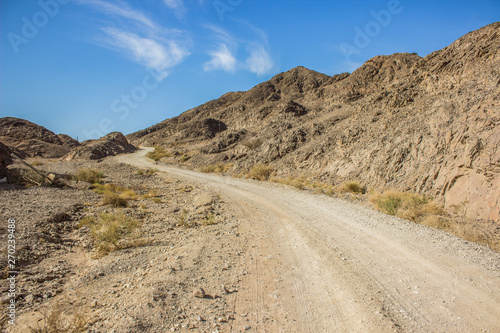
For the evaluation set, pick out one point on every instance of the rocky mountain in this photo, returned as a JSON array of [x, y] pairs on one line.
[[109, 145], [424, 124], [29, 139]]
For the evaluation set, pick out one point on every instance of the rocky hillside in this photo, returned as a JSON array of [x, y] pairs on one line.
[[109, 145], [29, 139], [401, 121]]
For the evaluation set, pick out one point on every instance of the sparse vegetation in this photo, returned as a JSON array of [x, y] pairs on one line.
[[36, 163], [147, 172], [108, 229], [353, 187], [184, 158], [158, 154], [260, 172], [90, 176], [115, 195], [215, 168], [182, 219], [209, 220], [57, 321], [410, 206]]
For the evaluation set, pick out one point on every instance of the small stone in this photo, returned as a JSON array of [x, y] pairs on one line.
[[93, 304], [199, 293]]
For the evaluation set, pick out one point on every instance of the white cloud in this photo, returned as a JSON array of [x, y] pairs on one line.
[[222, 59], [146, 51], [177, 6], [259, 61], [120, 9]]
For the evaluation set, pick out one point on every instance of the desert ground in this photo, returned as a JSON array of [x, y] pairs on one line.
[[212, 253]]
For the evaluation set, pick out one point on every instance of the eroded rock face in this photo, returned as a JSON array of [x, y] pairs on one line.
[[400, 121], [110, 145], [30, 140], [5, 160]]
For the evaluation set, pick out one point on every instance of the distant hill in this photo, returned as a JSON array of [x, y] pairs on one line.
[[400, 121], [30, 139]]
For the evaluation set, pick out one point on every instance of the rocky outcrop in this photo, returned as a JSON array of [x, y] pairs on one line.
[[424, 124], [5, 160], [30, 139], [110, 145]]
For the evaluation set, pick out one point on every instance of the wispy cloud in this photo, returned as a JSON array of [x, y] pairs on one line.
[[222, 59], [259, 61], [145, 42], [146, 51], [177, 6], [120, 8]]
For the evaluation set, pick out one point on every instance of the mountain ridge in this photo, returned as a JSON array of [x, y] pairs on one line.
[[424, 124]]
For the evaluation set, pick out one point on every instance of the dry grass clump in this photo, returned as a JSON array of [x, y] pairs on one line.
[[260, 172], [90, 176], [353, 187], [215, 168], [158, 154], [297, 182], [115, 195], [414, 207], [184, 158], [147, 172], [108, 229], [58, 321]]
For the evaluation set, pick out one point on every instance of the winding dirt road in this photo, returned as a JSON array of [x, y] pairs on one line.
[[320, 264]]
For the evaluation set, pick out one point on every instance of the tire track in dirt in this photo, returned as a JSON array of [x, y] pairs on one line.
[[343, 267]]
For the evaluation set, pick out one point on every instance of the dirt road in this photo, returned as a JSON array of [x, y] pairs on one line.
[[320, 264]]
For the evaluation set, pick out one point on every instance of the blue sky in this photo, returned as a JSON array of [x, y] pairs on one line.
[[88, 67]]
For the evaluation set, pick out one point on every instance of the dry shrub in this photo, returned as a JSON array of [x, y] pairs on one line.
[[115, 195], [410, 206], [109, 229], [90, 176], [158, 154], [297, 182], [59, 321], [260, 172], [215, 168], [353, 187]]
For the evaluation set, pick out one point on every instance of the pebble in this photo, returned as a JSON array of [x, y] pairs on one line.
[[199, 293]]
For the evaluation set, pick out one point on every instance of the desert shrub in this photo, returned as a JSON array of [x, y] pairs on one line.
[[59, 321], [108, 229], [147, 172], [115, 195], [297, 182], [90, 176], [158, 154], [260, 172], [352, 187], [209, 220], [215, 168], [410, 206], [184, 158]]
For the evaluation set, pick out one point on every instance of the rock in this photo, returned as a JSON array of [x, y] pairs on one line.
[[109, 145], [305, 123], [29, 139], [199, 293], [202, 200]]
